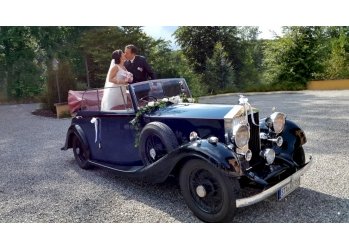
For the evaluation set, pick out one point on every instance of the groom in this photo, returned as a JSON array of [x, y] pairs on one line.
[[137, 65]]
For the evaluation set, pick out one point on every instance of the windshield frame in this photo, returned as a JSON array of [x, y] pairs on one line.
[[159, 91]]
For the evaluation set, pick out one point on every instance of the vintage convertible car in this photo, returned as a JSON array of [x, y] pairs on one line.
[[223, 155]]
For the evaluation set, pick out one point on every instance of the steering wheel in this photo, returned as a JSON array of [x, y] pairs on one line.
[[148, 98]]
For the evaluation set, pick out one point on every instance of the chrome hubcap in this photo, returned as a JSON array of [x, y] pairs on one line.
[[201, 191], [152, 153]]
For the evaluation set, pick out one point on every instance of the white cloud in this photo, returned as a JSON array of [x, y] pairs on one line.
[[163, 32]]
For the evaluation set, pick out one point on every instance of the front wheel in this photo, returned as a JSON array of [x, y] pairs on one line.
[[210, 194]]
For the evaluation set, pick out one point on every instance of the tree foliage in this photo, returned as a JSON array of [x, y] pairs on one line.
[[211, 58], [240, 43], [98, 44], [219, 73], [336, 62], [21, 64], [58, 84], [296, 57], [198, 42]]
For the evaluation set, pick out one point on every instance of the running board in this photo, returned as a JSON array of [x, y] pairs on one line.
[[121, 169]]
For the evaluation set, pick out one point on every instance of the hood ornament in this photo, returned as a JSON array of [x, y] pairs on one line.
[[243, 100]]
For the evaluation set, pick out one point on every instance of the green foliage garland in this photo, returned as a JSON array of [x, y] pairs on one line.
[[137, 121]]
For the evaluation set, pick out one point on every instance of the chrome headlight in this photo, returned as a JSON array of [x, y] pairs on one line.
[[278, 120], [269, 155], [241, 135]]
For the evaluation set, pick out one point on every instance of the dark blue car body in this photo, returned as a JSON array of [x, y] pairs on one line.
[[195, 142]]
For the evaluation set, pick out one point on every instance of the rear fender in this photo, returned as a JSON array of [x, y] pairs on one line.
[[74, 130]]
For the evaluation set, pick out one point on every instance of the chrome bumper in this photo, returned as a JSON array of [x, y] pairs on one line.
[[272, 190]]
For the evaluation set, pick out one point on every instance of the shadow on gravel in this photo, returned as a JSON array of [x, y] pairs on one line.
[[165, 197], [303, 205]]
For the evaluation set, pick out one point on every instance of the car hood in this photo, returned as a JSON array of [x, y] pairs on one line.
[[194, 111]]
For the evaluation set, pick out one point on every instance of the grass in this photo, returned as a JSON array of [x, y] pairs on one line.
[[274, 87]]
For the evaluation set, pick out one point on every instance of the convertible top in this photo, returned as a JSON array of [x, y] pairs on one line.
[[88, 99]]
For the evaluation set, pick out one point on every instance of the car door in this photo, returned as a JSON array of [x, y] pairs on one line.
[[117, 140], [112, 137]]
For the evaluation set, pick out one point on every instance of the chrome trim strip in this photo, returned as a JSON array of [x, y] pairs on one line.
[[272, 190]]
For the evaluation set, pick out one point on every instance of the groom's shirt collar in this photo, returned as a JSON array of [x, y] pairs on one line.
[[132, 59]]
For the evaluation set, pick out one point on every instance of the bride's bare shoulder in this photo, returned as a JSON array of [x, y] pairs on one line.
[[115, 68]]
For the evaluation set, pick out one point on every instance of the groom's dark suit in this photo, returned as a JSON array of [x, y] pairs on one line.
[[140, 69]]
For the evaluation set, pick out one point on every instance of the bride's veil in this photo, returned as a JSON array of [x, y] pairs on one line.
[[113, 95], [112, 64]]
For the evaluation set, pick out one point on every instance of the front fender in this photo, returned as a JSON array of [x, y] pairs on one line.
[[218, 155], [293, 136]]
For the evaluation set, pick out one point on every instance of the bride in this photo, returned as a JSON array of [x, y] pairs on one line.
[[117, 80]]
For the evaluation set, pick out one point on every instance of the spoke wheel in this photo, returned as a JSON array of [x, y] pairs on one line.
[[208, 193], [154, 148], [156, 141]]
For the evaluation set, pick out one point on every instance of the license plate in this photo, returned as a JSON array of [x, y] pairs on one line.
[[289, 188]]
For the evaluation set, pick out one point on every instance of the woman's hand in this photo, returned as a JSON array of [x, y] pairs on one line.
[[129, 77], [120, 81]]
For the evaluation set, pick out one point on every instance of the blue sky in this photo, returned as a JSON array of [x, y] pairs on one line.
[[166, 32]]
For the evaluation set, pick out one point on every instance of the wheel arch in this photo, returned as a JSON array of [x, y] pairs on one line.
[[218, 157], [75, 130], [293, 135]]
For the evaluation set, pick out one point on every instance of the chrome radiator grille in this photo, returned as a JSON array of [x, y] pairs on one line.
[[254, 143]]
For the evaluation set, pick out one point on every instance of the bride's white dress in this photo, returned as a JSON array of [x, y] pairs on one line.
[[114, 94]]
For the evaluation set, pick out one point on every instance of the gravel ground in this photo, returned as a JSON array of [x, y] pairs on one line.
[[41, 183]]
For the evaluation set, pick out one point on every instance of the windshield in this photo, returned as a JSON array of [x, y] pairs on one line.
[[154, 90]]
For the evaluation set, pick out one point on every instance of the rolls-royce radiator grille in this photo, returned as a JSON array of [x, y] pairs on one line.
[[254, 143]]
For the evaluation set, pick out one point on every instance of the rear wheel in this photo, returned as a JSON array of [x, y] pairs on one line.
[[80, 153], [210, 194]]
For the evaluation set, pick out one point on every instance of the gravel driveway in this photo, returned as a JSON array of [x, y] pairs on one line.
[[41, 183]]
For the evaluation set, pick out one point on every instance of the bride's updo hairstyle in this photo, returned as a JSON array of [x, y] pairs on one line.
[[116, 55]]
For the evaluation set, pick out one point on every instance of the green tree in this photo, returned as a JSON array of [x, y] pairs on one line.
[[21, 65], [173, 64], [66, 80], [294, 58], [186, 71], [336, 63], [198, 42], [251, 56], [163, 60], [219, 72], [98, 44], [241, 44]]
